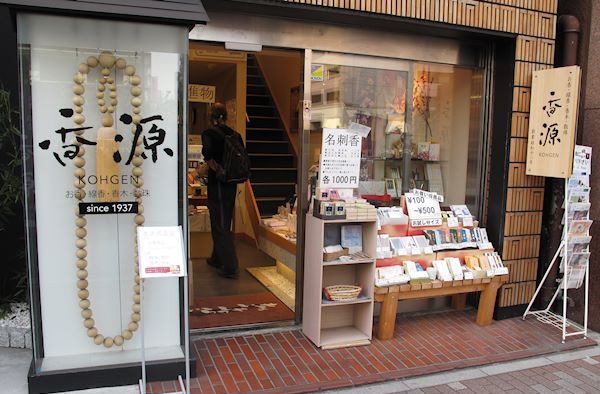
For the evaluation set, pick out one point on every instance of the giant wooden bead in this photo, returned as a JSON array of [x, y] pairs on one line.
[[105, 72], [78, 183], [113, 88], [89, 323], [78, 162], [82, 284], [135, 80], [81, 264], [92, 61], [111, 109], [80, 222], [78, 78], [78, 89], [108, 342], [136, 289], [78, 100], [101, 88], [136, 101], [107, 59], [137, 171], [139, 219], [103, 109], [119, 340], [136, 91], [101, 102], [78, 119], [136, 110], [79, 173], [136, 308], [79, 194], [92, 332], [83, 294], [121, 64], [140, 208], [81, 253], [99, 339], [113, 102], [136, 298], [107, 120], [84, 304], [86, 313], [127, 334], [137, 161], [110, 80], [82, 274], [135, 317], [99, 95], [81, 153], [112, 95], [130, 70], [138, 182], [81, 243], [136, 119], [80, 232], [78, 109], [132, 326], [84, 68]]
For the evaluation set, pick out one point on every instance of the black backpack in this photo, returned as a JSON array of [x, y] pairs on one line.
[[235, 166]]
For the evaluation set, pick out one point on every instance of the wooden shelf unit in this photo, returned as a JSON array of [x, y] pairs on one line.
[[334, 324]]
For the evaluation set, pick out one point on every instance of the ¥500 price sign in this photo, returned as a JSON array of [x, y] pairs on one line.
[[423, 211]]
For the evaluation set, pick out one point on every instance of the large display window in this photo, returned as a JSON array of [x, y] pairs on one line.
[[430, 112], [103, 128]]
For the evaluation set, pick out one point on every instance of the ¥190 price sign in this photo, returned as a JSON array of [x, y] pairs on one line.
[[423, 211], [103, 208]]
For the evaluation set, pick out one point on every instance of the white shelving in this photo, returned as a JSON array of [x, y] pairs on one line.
[[334, 324]]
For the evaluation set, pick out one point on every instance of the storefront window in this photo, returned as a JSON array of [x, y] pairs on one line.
[[102, 129], [434, 108]]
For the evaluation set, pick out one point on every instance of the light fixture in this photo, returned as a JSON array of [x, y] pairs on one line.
[[243, 46]]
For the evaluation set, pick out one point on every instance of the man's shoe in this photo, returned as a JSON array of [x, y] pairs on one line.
[[213, 263], [228, 275]]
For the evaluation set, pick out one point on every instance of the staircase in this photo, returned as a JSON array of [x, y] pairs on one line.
[[272, 162]]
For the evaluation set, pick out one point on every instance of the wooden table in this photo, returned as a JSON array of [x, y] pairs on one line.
[[389, 297]]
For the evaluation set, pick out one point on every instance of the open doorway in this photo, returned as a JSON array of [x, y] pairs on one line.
[[260, 92]]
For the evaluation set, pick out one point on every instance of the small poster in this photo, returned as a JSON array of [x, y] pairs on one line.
[[160, 251], [582, 160], [317, 72], [552, 122], [423, 211], [340, 159]]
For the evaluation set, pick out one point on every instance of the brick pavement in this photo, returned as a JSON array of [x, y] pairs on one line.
[[289, 363], [571, 377]]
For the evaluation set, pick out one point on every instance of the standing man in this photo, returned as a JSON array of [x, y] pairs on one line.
[[221, 195]]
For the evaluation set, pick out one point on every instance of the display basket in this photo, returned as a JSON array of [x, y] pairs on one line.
[[342, 292]]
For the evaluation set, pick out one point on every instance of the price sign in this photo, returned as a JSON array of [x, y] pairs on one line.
[[160, 251], [339, 167], [423, 211]]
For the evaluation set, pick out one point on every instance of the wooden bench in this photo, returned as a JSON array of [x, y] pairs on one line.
[[389, 297]]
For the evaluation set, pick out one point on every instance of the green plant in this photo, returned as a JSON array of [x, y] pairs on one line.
[[13, 283]]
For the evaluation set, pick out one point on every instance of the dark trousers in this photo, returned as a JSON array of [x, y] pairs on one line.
[[221, 203]]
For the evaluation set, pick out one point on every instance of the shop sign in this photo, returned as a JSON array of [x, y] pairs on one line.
[[317, 72], [553, 121], [201, 93], [340, 159], [423, 211], [160, 250]]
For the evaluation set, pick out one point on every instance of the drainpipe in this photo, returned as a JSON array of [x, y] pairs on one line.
[[568, 31]]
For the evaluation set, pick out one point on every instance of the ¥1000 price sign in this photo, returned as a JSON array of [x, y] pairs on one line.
[[423, 211], [340, 159]]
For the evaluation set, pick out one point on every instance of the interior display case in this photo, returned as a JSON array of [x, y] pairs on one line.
[[424, 123], [103, 134]]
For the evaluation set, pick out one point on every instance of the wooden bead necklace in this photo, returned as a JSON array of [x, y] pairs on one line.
[[105, 164]]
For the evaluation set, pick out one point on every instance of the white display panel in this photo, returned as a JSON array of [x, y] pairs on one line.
[[57, 45]]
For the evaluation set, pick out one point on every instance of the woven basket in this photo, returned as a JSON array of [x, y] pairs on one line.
[[342, 292]]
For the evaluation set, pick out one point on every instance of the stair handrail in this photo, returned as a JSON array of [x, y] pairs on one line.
[[253, 211]]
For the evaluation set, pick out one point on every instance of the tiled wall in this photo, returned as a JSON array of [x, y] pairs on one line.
[[534, 21]]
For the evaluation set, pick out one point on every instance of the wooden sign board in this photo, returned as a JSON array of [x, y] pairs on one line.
[[553, 121], [201, 93]]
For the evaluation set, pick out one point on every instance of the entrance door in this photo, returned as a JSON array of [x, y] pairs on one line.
[[257, 90]]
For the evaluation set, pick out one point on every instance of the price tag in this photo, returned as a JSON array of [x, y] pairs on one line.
[[423, 211], [452, 221]]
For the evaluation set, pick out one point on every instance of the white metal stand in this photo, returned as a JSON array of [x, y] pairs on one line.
[[545, 315], [185, 388]]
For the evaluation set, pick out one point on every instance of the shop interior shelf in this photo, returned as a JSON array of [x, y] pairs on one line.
[[361, 299], [350, 221], [343, 336], [354, 261]]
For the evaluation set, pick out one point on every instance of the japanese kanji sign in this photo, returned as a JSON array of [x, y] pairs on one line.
[[340, 159], [201, 93], [553, 121]]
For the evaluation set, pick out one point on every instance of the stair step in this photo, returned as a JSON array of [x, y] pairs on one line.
[[258, 99], [272, 189], [257, 146], [256, 89], [264, 134], [259, 175], [284, 160]]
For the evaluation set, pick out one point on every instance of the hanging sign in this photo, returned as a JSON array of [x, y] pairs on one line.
[[340, 159], [423, 211], [160, 251], [553, 121], [201, 93]]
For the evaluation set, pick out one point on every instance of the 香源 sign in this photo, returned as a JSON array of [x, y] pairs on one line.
[[553, 121], [340, 159]]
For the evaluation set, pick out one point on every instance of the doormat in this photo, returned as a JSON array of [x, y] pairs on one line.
[[235, 310], [276, 283]]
